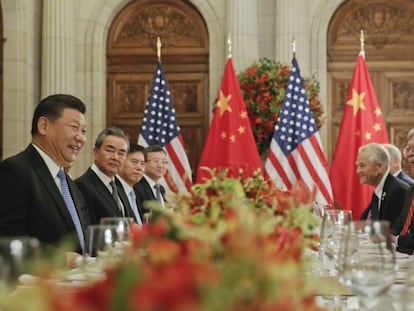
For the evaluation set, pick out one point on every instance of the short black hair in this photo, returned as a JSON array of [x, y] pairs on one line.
[[52, 108], [133, 147], [153, 148]]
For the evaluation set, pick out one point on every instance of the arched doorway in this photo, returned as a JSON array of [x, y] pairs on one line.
[[131, 62], [389, 45]]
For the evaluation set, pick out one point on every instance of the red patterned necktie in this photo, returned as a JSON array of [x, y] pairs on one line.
[[409, 218]]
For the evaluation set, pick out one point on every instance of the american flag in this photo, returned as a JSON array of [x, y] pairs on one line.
[[295, 151], [160, 127]]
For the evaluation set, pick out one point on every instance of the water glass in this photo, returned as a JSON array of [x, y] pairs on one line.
[[103, 240], [367, 261], [18, 255], [333, 225], [122, 224]]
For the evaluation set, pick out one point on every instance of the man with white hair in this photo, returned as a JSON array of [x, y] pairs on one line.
[[388, 196], [395, 164]]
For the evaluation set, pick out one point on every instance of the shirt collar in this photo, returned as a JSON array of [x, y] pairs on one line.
[[102, 176], [126, 186], [51, 165], [151, 182], [379, 188]]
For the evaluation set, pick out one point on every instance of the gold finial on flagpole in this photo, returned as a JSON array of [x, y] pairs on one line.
[[229, 45], [361, 40], [159, 48], [294, 46]]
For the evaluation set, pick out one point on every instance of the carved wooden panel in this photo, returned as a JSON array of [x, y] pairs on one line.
[[389, 47], [132, 60]]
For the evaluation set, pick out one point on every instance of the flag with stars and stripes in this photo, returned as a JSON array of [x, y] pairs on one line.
[[160, 127], [230, 143], [362, 123], [296, 152]]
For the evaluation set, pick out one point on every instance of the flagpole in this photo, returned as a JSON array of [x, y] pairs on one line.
[[229, 46], [294, 47], [361, 40], [159, 49]]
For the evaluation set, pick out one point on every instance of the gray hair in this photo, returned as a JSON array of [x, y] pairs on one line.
[[110, 131], [393, 151], [410, 134], [376, 153]]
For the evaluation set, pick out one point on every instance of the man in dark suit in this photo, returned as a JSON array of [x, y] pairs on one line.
[[31, 182], [388, 196], [129, 174], [101, 189], [395, 164], [155, 168], [403, 228]]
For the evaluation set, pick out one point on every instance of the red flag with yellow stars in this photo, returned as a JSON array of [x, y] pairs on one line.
[[230, 143], [362, 123]]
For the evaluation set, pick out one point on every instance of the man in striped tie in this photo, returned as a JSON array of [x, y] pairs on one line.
[[403, 229], [130, 172], [37, 198]]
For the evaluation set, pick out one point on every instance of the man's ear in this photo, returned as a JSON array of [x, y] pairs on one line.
[[42, 125]]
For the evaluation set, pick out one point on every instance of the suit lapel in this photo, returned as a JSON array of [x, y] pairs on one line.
[[103, 191], [49, 184], [384, 195]]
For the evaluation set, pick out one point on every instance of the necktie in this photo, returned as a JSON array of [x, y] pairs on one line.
[[409, 219], [374, 207], [158, 192], [133, 200], [116, 196], [71, 207]]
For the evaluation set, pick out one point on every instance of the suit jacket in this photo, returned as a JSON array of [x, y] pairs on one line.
[[137, 201], [145, 193], [99, 199], [392, 200], [406, 241], [404, 177], [32, 204]]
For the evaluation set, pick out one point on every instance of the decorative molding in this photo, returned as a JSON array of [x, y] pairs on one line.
[[142, 28], [383, 23], [403, 95]]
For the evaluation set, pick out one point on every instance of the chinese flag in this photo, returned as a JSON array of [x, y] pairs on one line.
[[230, 143], [362, 123]]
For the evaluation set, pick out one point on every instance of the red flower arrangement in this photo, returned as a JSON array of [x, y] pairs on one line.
[[263, 88], [227, 246]]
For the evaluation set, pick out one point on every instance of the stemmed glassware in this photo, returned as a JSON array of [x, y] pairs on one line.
[[367, 261], [334, 223]]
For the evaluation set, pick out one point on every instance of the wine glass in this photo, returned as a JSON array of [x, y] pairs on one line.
[[103, 246], [367, 261], [122, 224], [333, 224], [19, 255]]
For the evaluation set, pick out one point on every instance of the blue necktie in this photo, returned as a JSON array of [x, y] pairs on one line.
[[133, 200], [374, 207], [71, 207]]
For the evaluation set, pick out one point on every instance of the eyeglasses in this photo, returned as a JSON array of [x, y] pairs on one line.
[[409, 149], [158, 161]]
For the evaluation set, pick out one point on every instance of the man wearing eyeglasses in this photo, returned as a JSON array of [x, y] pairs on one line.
[[403, 229], [149, 188]]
